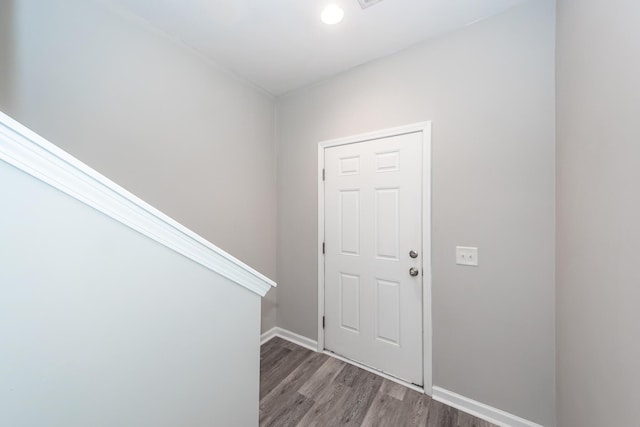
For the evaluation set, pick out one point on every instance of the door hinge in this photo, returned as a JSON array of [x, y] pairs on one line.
[[322, 322], [322, 248], [323, 178]]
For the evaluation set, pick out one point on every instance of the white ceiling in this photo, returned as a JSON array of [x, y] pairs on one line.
[[281, 45]]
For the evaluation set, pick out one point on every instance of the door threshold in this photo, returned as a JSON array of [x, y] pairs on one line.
[[375, 371]]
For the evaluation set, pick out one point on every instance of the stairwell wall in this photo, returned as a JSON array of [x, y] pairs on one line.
[[149, 113]]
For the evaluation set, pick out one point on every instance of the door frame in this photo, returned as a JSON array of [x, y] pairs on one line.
[[425, 128]]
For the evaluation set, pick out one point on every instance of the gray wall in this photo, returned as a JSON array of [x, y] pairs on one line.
[[6, 51], [155, 117], [489, 90], [598, 169], [101, 326]]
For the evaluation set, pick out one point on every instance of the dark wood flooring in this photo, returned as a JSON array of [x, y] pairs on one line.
[[299, 387]]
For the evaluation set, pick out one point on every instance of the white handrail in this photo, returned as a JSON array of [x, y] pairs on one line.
[[31, 153]]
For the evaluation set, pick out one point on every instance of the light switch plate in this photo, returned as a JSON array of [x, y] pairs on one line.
[[466, 255]]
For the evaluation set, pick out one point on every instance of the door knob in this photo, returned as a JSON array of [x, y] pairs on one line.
[[413, 254], [413, 272]]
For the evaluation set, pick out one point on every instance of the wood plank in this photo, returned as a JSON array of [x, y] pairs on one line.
[[415, 409], [394, 389], [294, 381], [323, 413], [268, 346], [348, 374], [268, 361], [283, 367], [364, 389], [385, 410], [441, 415], [287, 344], [468, 420], [322, 378], [289, 413]]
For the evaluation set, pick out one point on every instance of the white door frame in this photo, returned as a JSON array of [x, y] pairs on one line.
[[425, 128]]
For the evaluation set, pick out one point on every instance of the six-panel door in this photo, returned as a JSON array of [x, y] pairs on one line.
[[373, 219]]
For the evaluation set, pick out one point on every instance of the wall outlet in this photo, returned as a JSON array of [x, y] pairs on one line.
[[466, 256]]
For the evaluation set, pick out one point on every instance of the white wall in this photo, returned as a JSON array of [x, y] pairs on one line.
[[101, 326], [598, 280], [489, 90], [153, 116]]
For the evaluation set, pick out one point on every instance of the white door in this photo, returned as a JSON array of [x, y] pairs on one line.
[[373, 286]]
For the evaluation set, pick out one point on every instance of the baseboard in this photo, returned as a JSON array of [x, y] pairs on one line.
[[289, 336], [480, 410], [271, 333]]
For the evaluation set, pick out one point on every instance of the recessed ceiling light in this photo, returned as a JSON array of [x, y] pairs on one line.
[[332, 14]]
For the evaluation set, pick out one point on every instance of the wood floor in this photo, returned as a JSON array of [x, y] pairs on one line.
[[299, 387]]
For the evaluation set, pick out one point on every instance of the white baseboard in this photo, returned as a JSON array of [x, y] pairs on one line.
[[289, 336], [271, 333], [480, 410]]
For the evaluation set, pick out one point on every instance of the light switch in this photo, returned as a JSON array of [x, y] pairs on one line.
[[466, 255]]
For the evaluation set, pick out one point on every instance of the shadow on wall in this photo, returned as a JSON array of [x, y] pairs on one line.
[[6, 55]]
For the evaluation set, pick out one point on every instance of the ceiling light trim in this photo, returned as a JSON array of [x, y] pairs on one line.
[[368, 3]]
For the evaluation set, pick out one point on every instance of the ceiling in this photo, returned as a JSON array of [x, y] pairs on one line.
[[281, 45]]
